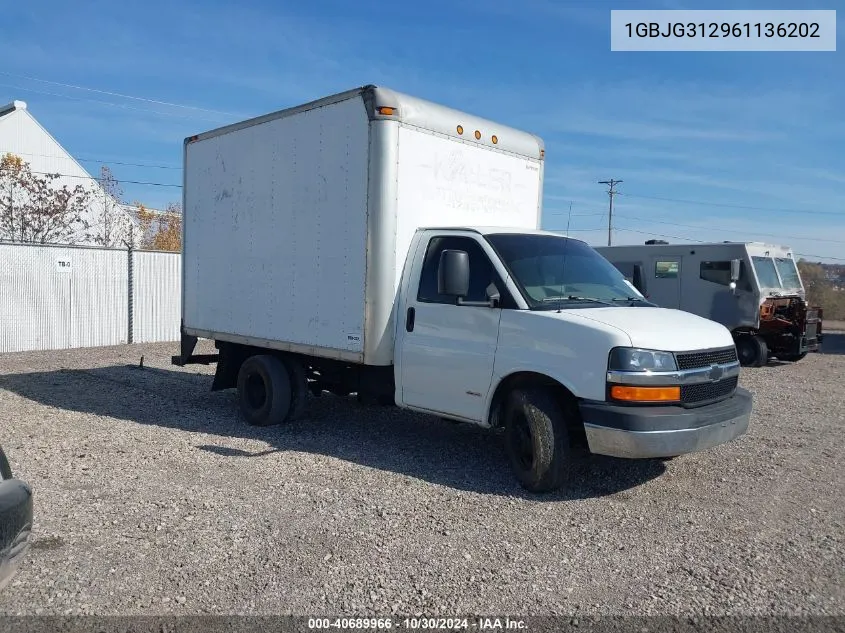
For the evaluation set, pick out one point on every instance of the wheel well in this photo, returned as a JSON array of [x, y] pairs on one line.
[[232, 356], [743, 331], [532, 379]]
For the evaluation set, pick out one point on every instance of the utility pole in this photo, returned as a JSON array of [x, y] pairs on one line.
[[610, 193]]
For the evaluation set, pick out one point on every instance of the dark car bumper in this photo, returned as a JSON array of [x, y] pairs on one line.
[[664, 431], [15, 526]]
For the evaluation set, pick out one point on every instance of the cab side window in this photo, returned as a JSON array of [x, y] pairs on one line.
[[481, 272], [717, 272]]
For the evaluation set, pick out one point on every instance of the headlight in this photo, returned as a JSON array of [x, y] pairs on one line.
[[634, 359]]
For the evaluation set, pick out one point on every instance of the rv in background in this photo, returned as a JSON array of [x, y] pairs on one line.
[[753, 289]]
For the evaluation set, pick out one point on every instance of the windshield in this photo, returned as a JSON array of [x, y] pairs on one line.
[[552, 271], [766, 273], [788, 272]]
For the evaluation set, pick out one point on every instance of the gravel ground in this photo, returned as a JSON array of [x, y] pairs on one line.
[[152, 497]]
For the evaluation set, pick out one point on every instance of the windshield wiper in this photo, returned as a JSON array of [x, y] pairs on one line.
[[575, 298], [628, 299]]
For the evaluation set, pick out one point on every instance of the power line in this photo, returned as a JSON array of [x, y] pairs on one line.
[[722, 205], [836, 259], [671, 237], [92, 160], [693, 226], [577, 215], [128, 182], [122, 106], [117, 94], [610, 193], [736, 206]]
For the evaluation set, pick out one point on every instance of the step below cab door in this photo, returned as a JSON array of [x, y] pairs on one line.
[[447, 345]]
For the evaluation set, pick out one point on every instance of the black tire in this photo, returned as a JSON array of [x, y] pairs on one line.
[[793, 358], [762, 353], [537, 439], [752, 351], [264, 390], [298, 387]]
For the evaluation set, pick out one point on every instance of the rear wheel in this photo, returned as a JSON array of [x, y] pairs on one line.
[[264, 390], [537, 439], [752, 351], [298, 386], [793, 358]]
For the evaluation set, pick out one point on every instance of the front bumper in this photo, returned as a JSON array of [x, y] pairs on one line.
[[664, 431], [15, 526]]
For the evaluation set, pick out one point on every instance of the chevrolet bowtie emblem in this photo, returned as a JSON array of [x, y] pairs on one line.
[[715, 373]]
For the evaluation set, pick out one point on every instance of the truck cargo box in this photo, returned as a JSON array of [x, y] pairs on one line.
[[297, 223]]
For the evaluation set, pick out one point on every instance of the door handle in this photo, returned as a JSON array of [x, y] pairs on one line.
[[409, 319]]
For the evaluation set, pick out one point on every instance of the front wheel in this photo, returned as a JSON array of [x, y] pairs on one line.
[[537, 440], [752, 351]]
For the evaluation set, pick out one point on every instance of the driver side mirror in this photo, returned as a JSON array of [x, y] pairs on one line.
[[735, 269], [453, 274]]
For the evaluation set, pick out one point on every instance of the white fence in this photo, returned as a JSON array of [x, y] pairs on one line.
[[60, 297]]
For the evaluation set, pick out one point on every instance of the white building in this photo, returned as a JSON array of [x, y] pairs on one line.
[[22, 135]]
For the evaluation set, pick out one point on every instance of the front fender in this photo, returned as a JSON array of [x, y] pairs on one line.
[[570, 350]]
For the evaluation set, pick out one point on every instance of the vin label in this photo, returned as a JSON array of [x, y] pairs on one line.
[[739, 30]]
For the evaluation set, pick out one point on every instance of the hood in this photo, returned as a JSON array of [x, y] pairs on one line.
[[657, 328]]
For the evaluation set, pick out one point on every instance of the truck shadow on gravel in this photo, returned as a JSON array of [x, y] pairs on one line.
[[458, 456]]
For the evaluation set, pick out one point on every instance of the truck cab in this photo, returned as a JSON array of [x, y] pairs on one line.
[[784, 324]]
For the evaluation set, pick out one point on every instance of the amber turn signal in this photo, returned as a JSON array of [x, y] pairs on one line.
[[645, 394]]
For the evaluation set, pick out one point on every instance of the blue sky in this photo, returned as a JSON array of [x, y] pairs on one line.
[[710, 146]]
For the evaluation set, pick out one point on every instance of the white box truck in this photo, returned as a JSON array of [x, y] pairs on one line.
[[752, 288], [375, 243]]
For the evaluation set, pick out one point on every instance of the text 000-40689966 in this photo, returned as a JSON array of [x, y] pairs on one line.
[[417, 623], [735, 30]]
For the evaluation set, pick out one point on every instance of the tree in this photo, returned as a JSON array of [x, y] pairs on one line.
[[161, 230], [34, 209], [111, 225], [820, 291]]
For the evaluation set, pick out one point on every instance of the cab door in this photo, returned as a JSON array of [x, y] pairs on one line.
[[664, 282], [447, 351]]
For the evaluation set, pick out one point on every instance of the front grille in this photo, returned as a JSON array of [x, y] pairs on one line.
[[694, 360], [812, 330], [702, 392]]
